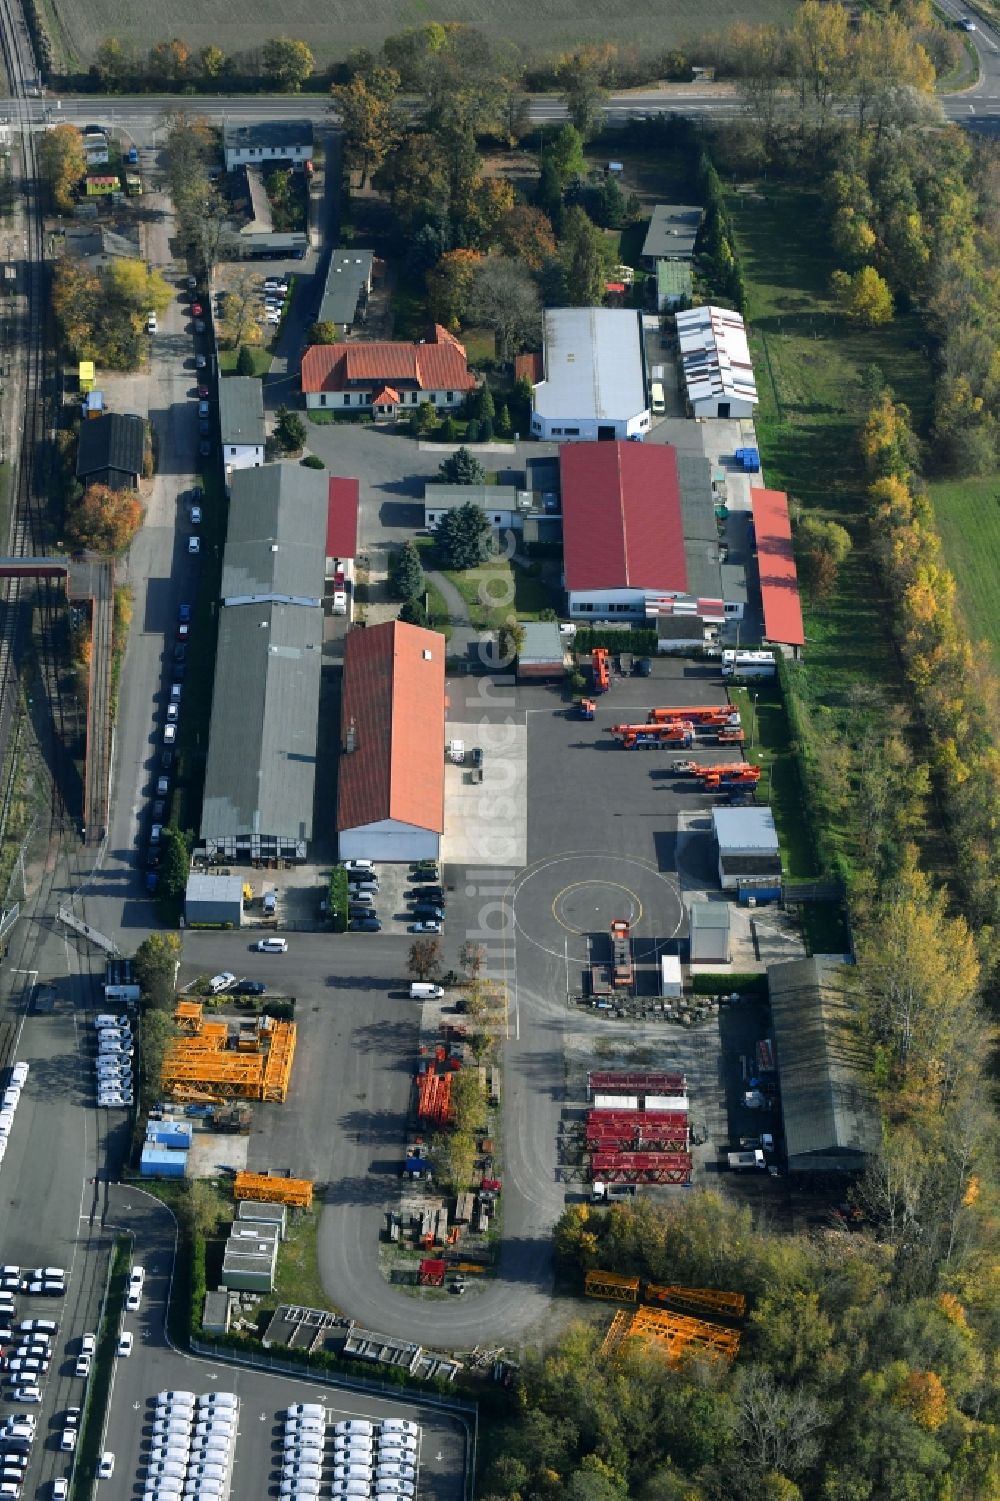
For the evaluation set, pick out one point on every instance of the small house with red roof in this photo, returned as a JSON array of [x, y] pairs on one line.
[[387, 379]]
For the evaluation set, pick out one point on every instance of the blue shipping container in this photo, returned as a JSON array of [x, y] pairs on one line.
[[160, 1162], [174, 1134]]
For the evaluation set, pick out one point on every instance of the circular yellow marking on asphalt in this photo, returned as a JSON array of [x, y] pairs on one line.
[[608, 885]]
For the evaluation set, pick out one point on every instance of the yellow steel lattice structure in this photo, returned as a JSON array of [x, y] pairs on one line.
[[675, 1333], [188, 1094], [613, 1285], [188, 1014], [700, 1299], [298, 1192], [617, 1334], [205, 1064], [278, 1065]]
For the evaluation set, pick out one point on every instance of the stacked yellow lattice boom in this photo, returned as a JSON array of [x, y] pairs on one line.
[[202, 1063], [298, 1192], [671, 1331]]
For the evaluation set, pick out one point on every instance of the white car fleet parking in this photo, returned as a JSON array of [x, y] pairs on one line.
[[357, 1460], [190, 1451], [11, 1099], [114, 1063]]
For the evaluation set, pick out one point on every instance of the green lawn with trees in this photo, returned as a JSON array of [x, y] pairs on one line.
[[968, 517]]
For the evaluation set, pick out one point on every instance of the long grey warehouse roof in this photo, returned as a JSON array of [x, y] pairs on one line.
[[277, 523], [241, 409], [261, 768], [830, 1117]]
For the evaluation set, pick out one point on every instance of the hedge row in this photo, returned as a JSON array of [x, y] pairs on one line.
[[640, 641], [754, 984]]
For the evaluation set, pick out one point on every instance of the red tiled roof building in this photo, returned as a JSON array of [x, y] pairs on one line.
[[354, 377]]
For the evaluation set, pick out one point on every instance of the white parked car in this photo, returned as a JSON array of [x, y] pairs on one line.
[[399, 1425]]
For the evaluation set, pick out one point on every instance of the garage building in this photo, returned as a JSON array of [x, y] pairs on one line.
[[830, 1118], [715, 363], [749, 854], [213, 900], [390, 791], [710, 941], [541, 657], [594, 382]]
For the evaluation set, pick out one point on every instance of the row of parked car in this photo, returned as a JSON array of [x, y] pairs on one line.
[[115, 1062], [367, 1459], [158, 811], [191, 1446], [17, 1434], [426, 901], [11, 1099]]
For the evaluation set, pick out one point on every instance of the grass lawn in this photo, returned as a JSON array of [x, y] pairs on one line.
[[98, 1388], [480, 344], [810, 364], [968, 518], [298, 1279], [262, 357], [493, 590], [765, 724]]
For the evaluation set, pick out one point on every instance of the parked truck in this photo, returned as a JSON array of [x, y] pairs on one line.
[[746, 1162], [748, 664]]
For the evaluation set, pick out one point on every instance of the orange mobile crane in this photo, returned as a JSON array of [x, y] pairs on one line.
[[712, 778], [600, 666], [714, 715], [653, 736]]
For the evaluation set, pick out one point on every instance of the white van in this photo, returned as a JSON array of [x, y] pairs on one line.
[[270, 903], [658, 401], [420, 990], [272, 945]]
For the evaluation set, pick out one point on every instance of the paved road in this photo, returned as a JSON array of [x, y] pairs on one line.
[[978, 108]]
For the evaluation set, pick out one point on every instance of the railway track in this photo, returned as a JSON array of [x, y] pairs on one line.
[[25, 414]]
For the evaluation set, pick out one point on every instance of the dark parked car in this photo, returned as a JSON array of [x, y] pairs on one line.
[[419, 876], [184, 613], [180, 652], [432, 894], [644, 667], [365, 925], [426, 910], [249, 987], [476, 755], [353, 911], [166, 759], [152, 880], [159, 809]]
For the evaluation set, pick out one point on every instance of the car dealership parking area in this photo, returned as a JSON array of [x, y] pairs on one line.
[[241, 1430]]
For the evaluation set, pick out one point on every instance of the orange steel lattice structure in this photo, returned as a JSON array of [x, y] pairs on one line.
[[296, 1192], [613, 1285], [204, 1063]]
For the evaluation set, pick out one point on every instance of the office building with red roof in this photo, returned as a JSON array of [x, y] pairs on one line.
[[390, 784], [640, 537], [385, 378]]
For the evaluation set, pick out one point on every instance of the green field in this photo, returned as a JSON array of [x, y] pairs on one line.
[[333, 29], [811, 364], [968, 518]]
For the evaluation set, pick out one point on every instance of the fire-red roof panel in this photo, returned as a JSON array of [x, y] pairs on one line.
[[779, 580], [393, 714], [342, 518], [622, 524]]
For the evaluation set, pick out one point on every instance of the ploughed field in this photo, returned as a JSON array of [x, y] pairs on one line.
[[335, 27]]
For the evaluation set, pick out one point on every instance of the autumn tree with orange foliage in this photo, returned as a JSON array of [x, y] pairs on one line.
[[105, 520]]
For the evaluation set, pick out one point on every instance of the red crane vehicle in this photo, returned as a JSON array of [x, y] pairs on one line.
[[601, 668], [707, 715], [619, 974], [716, 778], [586, 708], [654, 736]]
